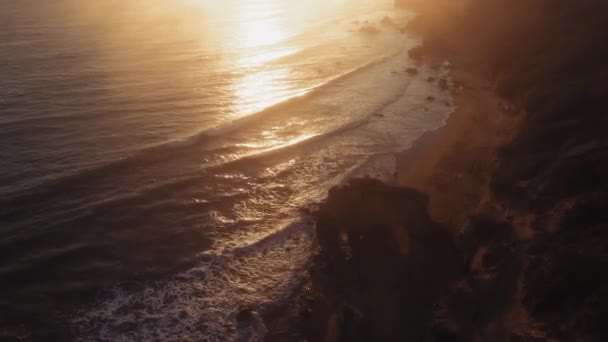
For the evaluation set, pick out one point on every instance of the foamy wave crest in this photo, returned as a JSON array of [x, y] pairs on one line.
[[305, 95], [207, 140], [202, 304]]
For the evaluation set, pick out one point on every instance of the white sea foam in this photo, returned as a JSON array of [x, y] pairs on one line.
[[259, 269], [201, 304], [351, 106]]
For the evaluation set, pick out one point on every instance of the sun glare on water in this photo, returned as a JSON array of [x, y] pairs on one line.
[[246, 40], [259, 23], [260, 32]]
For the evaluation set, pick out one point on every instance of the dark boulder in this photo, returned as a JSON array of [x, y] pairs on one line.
[[369, 29], [387, 262], [387, 21], [415, 53], [444, 84], [412, 71]]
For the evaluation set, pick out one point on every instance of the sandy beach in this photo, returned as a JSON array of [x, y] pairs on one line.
[[453, 164], [494, 227], [304, 171], [451, 168]]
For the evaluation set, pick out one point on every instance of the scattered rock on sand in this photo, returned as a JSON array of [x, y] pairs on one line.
[[415, 53], [506, 107], [443, 84], [387, 21], [412, 71], [368, 29]]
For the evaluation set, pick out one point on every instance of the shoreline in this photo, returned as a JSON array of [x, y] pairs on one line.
[[462, 154], [449, 168]]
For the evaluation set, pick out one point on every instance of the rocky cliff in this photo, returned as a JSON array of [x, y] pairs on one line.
[[532, 255]]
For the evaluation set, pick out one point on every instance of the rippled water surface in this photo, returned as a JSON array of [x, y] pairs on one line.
[[155, 156]]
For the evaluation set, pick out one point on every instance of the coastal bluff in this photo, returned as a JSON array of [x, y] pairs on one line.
[[506, 243]]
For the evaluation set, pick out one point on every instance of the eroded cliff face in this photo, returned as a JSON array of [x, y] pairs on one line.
[[551, 58], [554, 173], [531, 257]]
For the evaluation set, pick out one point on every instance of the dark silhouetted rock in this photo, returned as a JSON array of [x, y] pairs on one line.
[[443, 84], [250, 325], [412, 71], [382, 239], [244, 314], [369, 29], [415, 53], [387, 21]]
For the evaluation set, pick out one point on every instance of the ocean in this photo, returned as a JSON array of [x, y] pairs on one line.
[[159, 159]]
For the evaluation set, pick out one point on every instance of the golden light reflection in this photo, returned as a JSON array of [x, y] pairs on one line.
[[257, 28], [259, 90], [276, 142], [256, 23], [261, 57], [262, 30], [247, 38]]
